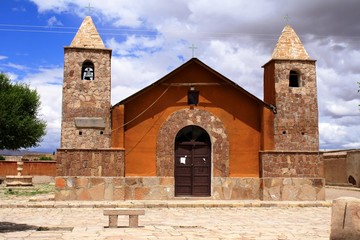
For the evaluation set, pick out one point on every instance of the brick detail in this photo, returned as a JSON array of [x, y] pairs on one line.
[[90, 162], [182, 118], [291, 164]]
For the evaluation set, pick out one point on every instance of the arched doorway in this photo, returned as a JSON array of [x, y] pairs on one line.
[[192, 165]]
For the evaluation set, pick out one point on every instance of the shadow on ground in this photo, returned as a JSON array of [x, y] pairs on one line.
[[15, 227]]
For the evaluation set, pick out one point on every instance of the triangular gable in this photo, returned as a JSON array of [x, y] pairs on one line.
[[192, 61]]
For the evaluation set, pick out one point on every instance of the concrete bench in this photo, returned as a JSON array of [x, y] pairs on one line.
[[345, 219], [132, 213]]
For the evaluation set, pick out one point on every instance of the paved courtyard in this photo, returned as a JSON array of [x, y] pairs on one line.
[[21, 218], [169, 223]]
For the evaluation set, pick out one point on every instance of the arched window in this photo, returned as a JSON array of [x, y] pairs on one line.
[[88, 71], [294, 79], [192, 133]]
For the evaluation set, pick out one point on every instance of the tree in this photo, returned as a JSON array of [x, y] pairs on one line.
[[20, 126]]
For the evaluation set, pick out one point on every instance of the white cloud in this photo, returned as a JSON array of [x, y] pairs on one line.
[[53, 5], [3, 57], [53, 21], [15, 66], [48, 83], [233, 37]]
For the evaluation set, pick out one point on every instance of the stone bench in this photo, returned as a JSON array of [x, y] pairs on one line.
[[345, 219], [132, 213]]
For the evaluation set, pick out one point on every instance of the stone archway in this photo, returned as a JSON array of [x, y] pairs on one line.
[[180, 119]]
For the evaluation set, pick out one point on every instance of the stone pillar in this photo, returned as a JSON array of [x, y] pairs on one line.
[[345, 219]]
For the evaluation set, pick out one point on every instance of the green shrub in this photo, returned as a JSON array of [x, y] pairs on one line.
[[45, 158], [2, 158]]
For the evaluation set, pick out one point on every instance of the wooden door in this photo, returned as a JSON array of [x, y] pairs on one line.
[[192, 169]]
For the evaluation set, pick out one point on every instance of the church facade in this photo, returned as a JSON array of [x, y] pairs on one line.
[[193, 133]]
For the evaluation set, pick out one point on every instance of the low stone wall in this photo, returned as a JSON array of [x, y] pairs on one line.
[[90, 162], [147, 188], [293, 189]]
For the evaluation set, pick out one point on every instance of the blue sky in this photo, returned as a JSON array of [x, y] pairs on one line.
[[151, 38]]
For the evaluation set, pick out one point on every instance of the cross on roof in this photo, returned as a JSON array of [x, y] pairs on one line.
[[193, 47], [89, 9], [287, 17]]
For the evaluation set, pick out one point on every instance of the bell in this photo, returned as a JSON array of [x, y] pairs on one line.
[[88, 74]]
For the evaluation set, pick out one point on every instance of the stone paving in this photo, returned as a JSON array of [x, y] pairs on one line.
[[168, 223], [179, 220], [246, 223]]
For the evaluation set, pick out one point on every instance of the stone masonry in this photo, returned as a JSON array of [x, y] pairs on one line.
[[296, 120], [86, 98], [198, 117], [89, 169], [148, 188], [293, 170]]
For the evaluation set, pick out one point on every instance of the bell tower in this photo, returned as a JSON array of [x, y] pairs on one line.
[[290, 86], [86, 91]]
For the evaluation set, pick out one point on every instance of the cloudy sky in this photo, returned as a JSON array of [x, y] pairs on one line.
[[149, 38]]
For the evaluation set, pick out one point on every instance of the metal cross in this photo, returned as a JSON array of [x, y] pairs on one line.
[[287, 18], [89, 9], [193, 47]]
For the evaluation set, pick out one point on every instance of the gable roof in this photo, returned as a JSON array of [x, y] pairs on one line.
[[87, 36], [201, 64]]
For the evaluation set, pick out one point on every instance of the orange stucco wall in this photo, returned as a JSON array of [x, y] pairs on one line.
[[269, 83], [41, 168], [240, 114]]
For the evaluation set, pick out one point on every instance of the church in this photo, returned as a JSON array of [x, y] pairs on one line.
[[193, 134]]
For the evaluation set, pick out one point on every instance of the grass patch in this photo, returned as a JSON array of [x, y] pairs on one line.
[[43, 189]]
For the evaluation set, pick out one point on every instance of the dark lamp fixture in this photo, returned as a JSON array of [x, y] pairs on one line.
[[193, 96]]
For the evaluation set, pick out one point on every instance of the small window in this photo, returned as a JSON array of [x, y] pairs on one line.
[[87, 71], [193, 96], [294, 79]]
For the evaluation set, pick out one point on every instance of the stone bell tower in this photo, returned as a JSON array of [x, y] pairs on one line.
[[85, 159], [292, 169], [86, 91], [290, 85]]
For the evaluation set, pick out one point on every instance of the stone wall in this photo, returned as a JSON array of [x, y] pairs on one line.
[[147, 188], [291, 164], [296, 121], [292, 189], [90, 162], [86, 99], [292, 176]]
